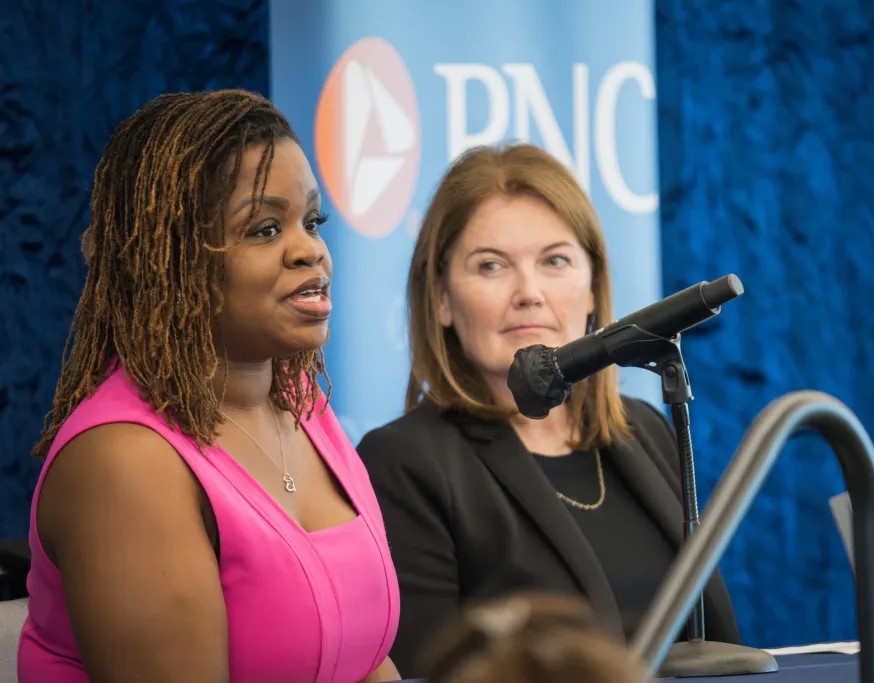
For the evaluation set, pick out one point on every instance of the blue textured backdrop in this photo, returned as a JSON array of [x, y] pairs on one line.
[[67, 78], [766, 161], [766, 156]]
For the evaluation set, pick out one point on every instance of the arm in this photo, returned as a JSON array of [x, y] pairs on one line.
[[386, 671], [415, 501], [119, 514]]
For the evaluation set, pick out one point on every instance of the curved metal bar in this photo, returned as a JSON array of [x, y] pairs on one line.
[[732, 497]]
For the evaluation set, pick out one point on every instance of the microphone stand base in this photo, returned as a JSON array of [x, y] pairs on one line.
[[710, 658]]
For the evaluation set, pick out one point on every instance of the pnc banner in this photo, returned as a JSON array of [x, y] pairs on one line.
[[385, 94]]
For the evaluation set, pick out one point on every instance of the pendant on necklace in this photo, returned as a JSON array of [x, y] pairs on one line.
[[289, 483]]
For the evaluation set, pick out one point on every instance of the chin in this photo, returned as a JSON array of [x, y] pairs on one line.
[[308, 340], [498, 366]]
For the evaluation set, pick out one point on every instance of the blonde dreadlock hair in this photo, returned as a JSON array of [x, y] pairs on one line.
[[154, 250]]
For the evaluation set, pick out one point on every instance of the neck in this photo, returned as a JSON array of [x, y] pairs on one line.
[[243, 386], [549, 436]]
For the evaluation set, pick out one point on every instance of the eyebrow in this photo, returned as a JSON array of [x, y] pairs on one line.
[[492, 250], [278, 202]]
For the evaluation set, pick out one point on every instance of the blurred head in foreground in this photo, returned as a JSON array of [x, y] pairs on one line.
[[530, 638]]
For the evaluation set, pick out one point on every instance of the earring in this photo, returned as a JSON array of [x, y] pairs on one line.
[[590, 323]]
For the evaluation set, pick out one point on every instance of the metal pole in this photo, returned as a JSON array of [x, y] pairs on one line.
[[732, 497]]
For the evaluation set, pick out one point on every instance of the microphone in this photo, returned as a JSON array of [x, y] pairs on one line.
[[541, 378]]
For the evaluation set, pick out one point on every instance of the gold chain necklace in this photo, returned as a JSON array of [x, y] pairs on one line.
[[290, 486], [601, 487]]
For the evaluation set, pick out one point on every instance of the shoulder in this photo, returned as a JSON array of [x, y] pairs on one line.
[[120, 457], [424, 416], [118, 445], [423, 443], [424, 428], [127, 472], [115, 434], [115, 400], [643, 417], [652, 430]]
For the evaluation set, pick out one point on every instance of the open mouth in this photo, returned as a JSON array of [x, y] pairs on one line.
[[311, 298], [311, 291]]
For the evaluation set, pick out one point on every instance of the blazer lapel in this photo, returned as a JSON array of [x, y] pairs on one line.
[[497, 445], [652, 490], [662, 502]]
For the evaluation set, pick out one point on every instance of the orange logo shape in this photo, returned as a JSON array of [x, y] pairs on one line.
[[367, 137]]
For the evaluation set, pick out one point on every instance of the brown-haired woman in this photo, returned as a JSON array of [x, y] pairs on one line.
[[477, 499], [200, 515], [529, 638]]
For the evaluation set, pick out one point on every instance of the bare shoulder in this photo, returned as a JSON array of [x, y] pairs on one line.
[[121, 469]]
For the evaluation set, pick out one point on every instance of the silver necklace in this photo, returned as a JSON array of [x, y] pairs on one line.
[[290, 486]]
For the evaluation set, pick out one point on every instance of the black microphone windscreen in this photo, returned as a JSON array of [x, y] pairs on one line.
[[535, 381]]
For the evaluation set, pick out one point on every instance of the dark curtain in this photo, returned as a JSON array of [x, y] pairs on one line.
[[766, 166], [69, 73]]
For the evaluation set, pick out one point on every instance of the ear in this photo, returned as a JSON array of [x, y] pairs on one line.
[[590, 308], [444, 310]]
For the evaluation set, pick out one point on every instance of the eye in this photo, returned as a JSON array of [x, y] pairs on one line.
[[488, 267], [558, 261], [313, 222], [269, 228]]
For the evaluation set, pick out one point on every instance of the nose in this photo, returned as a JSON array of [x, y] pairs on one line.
[[528, 291], [303, 250]]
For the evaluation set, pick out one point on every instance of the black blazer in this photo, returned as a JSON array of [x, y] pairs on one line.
[[470, 515]]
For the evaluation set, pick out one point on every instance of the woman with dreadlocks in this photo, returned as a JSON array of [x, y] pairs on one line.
[[201, 516]]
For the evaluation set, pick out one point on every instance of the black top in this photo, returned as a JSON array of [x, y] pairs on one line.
[[633, 551], [470, 515]]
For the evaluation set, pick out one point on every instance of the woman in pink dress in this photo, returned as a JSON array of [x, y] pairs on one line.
[[201, 516]]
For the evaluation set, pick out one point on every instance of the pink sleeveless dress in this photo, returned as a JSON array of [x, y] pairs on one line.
[[301, 607]]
